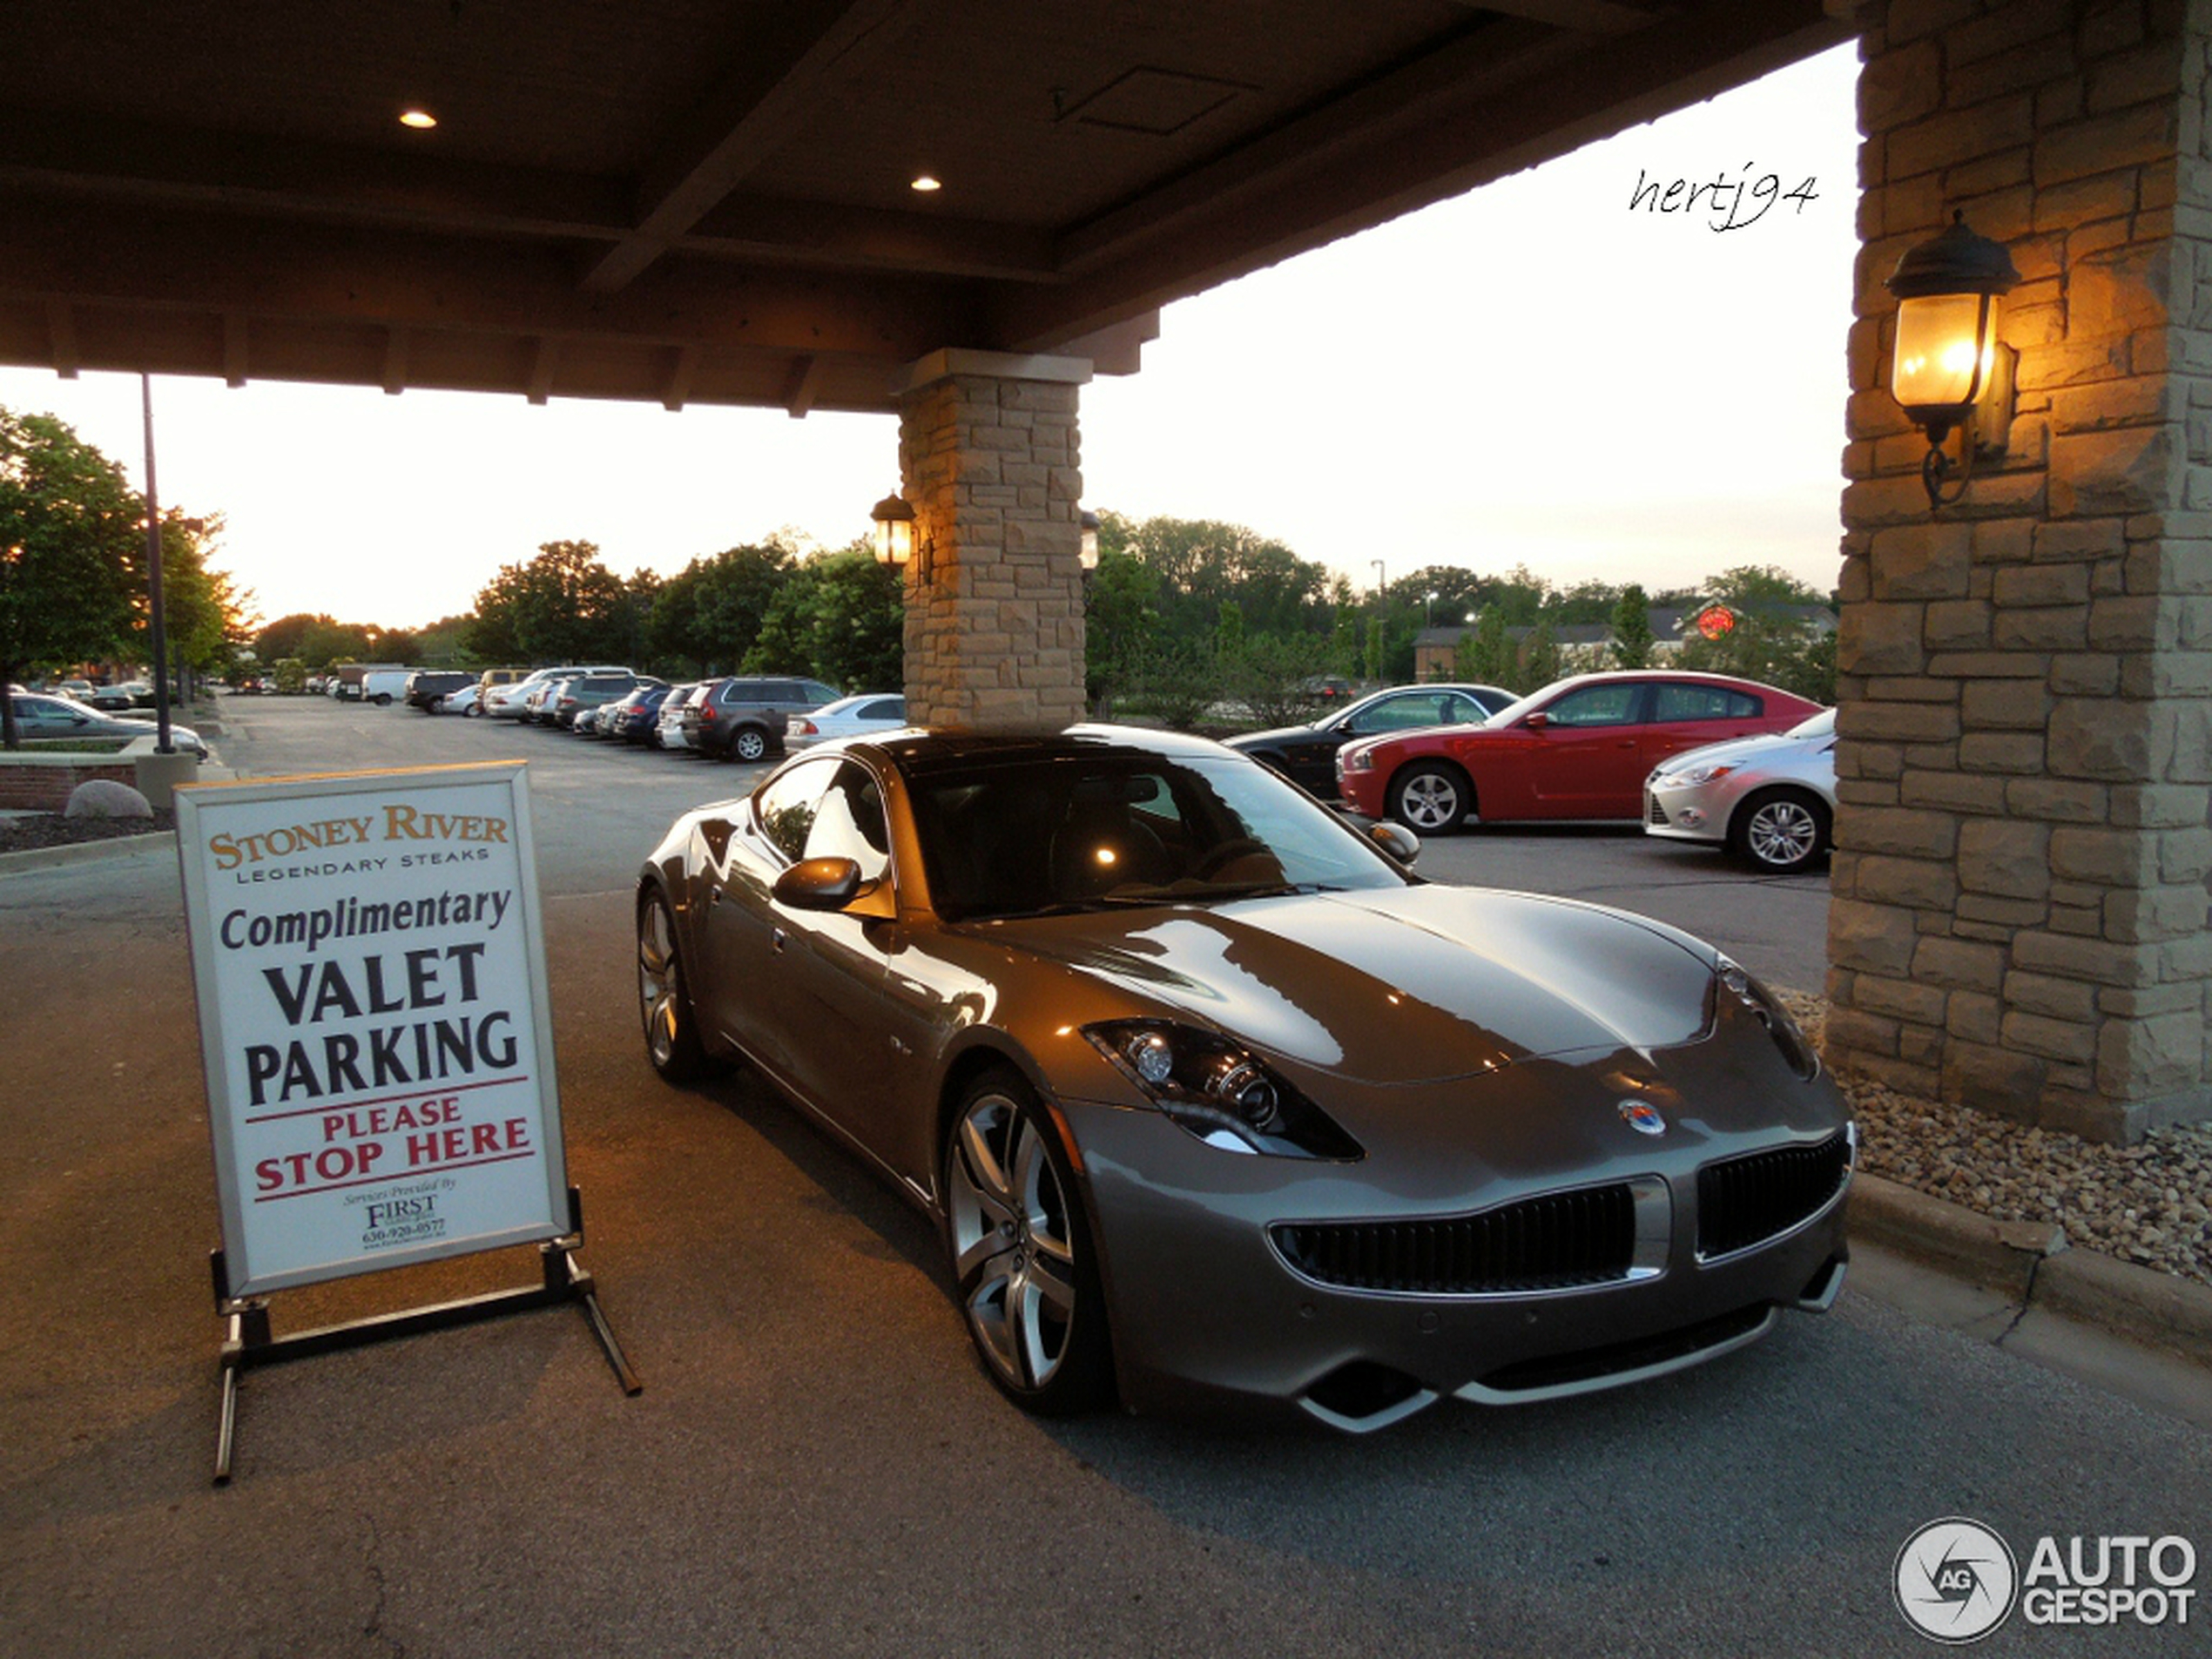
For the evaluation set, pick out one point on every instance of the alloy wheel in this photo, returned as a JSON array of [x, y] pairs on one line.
[[1014, 1249]]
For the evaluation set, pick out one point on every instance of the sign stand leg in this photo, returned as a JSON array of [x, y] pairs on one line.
[[248, 1340]]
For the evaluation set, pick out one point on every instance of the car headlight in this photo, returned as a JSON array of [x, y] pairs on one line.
[[1359, 761], [1218, 1090], [1693, 777], [1731, 980]]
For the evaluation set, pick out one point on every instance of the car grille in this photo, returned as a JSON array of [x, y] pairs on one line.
[[1556, 1242], [1746, 1201], [1658, 814]]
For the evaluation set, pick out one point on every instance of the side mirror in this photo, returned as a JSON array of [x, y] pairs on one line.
[[819, 884], [1537, 721], [1396, 839]]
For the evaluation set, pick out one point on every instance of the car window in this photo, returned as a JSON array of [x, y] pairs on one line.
[[848, 823], [1008, 839], [815, 692], [788, 803], [1611, 704], [1405, 713], [884, 708], [1677, 702]]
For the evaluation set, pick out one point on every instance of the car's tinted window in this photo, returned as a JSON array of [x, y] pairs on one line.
[[1611, 704], [788, 803], [1413, 710], [1704, 703], [884, 708], [848, 823], [1003, 840], [815, 692]]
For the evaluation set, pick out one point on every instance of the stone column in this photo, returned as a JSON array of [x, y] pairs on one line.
[[2020, 920], [988, 456]]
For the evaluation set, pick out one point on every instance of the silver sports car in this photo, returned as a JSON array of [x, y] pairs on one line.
[[1218, 1104]]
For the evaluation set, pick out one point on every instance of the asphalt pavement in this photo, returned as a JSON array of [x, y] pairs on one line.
[[816, 1464]]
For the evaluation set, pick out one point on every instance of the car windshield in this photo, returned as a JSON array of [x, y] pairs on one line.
[[1090, 830]]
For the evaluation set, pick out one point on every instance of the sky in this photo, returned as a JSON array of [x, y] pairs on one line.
[[1541, 372]]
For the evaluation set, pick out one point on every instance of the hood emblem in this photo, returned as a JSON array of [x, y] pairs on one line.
[[1642, 1118]]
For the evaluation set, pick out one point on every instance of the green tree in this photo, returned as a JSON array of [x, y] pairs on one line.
[[1632, 629], [562, 606], [1487, 656], [71, 529], [1121, 621], [1540, 659]]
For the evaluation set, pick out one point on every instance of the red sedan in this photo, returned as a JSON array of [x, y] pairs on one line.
[[1580, 748]]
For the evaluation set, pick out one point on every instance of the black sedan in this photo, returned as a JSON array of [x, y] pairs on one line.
[[1307, 754], [1216, 1103]]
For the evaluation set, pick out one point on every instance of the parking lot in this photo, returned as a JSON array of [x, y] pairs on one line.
[[816, 1464]]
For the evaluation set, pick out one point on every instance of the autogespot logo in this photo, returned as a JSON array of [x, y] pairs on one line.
[[1955, 1580]]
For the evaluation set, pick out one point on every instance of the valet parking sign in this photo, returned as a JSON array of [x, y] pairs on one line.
[[370, 965]]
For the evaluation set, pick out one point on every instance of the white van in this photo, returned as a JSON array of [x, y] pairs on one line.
[[384, 686]]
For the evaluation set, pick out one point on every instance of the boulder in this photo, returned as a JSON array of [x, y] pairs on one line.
[[105, 798]]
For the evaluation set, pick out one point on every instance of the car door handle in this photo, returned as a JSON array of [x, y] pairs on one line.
[[778, 938]]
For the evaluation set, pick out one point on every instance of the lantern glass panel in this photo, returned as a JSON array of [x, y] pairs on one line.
[[1944, 346]]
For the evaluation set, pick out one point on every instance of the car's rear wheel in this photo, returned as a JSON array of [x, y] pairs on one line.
[[1782, 831], [1429, 797], [1022, 1253], [748, 745], [663, 1000]]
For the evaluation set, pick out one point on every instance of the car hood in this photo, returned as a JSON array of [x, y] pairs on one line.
[[1402, 986], [1771, 745]]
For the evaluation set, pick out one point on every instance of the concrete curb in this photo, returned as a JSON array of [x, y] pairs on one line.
[[2031, 1263], [46, 857]]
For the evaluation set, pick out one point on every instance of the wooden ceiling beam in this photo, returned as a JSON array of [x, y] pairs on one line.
[[803, 55], [1587, 17], [349, 276]]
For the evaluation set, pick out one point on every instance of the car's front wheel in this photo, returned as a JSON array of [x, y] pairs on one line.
[[1021, 1252], [1782, 831], [1429, 798], [663, 1000]]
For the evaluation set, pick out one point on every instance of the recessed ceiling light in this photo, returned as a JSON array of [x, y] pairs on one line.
[[421, 120], [925, 183]]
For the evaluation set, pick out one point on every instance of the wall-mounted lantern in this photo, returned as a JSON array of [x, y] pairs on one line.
[[1089, 554], [895, 532], [1950, 371]]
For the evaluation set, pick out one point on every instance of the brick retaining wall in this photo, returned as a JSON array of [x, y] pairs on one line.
[[41, 783]]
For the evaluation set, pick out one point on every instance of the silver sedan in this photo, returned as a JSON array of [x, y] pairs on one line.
[[1770, 799]]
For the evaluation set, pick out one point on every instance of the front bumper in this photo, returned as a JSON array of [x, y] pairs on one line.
[[1210, 1315]]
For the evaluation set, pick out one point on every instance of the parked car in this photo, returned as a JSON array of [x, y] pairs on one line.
[[586, 691], [42, 715], [508, 700], [635, 718], [849, 717], [1307, 754], [467, 700], [1214, 1102], [1578, 750], [1772, 801], [427, 688], [743, 718], [131, 694], [670, 732]]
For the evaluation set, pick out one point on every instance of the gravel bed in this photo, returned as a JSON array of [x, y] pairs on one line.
[[2151, 1205], [29, 832]]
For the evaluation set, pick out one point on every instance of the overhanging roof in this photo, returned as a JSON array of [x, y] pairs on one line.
[[710, 200]]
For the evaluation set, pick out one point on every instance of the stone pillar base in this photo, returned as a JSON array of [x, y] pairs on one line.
[[160, 774]]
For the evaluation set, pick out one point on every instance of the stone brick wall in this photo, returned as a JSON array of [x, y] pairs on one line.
[[2020, 882], [990, 463]]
